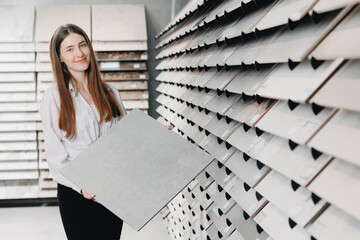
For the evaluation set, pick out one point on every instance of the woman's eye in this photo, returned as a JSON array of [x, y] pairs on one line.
[[69, 50], [83, 45]]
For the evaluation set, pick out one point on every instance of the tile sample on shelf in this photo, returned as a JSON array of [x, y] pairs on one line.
[[338, 183], [50, 17], [247, 82], [222, 175], [298, 84], [247, 23], [220, 33], [330, 5], [248, 110], [202, 78], [128, 17], [224, 226], [247, 198], [247, 169], [219, 150], [212, 232], [298, 122], [278, 226], [340, 137], [300, 41], [221, 79], [15, 189], [333, 224], [346, 35], [343, 85], [285, 11], [17, 23], [138, 205], [222, 9], [247, 52], [298, 162], [220, 58], [221, 127], [298, 204], [221, 104], [223, 200], [235, 235], [245, 225], [249, 140]]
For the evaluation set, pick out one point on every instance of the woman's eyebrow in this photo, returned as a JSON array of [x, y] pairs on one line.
[[73, 45]]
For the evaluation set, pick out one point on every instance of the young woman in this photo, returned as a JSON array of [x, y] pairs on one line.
[[76, 111]]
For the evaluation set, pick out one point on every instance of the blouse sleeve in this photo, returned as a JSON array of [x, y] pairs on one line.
[[55, 152]]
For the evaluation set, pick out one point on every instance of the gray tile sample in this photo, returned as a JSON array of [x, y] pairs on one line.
[[136, 168]]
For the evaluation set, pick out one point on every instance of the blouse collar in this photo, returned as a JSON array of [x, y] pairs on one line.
[[72, 90]]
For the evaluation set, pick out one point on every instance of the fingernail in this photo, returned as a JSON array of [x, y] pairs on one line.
[[92, 195]]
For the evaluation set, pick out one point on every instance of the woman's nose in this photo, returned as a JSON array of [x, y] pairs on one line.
[[79, 53]]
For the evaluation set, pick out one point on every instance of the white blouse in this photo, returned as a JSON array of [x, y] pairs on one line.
[[58, 149]]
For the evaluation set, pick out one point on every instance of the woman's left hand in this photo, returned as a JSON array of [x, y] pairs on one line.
[[169, 127], [89, 196]]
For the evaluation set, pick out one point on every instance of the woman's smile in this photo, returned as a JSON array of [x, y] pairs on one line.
[[81, 60]]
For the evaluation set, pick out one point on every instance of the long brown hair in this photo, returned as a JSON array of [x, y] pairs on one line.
[[103, 98]]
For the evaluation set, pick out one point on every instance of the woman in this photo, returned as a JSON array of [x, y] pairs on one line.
[[75, 112]]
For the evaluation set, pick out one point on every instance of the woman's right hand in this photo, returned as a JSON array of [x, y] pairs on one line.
[[89, 196]]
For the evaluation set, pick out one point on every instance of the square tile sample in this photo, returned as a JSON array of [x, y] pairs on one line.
[[137, 167]]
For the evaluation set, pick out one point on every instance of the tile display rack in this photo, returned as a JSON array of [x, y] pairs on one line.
[[270, 89]]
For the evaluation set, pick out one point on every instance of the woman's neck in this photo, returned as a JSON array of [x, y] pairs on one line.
[[81, 80]]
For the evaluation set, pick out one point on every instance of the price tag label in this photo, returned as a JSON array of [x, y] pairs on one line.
[[110, 65]]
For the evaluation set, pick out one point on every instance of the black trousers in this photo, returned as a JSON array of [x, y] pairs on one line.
[[85, 219]]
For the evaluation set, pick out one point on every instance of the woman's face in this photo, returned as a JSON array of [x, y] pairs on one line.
[[75, 53]]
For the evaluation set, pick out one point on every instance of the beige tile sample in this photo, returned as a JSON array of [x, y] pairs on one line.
[[129, 19], [333, 224], [329, 5], [249, 140], [249, 111], [276, 224], [339, 184], [346, 35], [298, 84], [300, 41], [298, 124], [341, 91], [297, 205], [340, 137], [297, 162], [50, 17], [247, 169], [17, 23], [284, 11]]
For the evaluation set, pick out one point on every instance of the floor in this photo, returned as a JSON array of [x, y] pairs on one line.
[[44, 223]]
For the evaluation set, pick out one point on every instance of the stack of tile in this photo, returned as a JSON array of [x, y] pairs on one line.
[[18, 106], [270, 89], [122, 54], [48, 19]]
